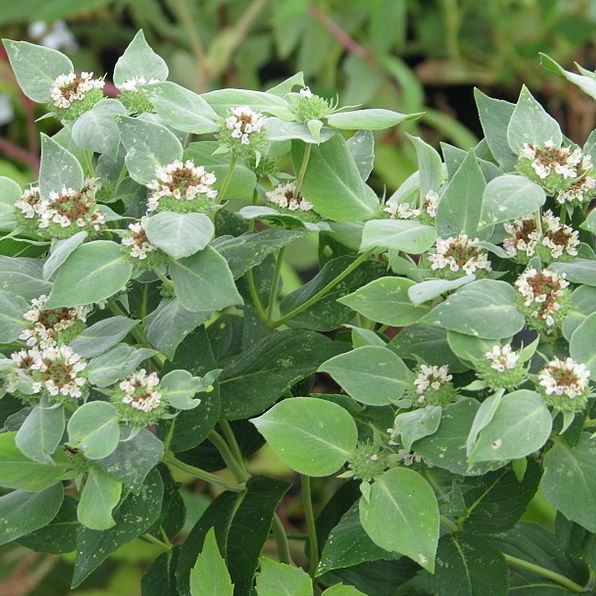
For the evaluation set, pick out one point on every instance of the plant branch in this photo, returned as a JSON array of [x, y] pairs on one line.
[[281, 539], [275, 285], [157, 541], [232, 442], [227, 179], [237, 469], [254, 296], [303, 166], [171, 460], [310, 526], [323, 291]]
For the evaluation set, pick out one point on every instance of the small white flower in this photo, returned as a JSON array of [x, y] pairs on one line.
[[70, 207], [284, 195], [140, 391], [138, 242], [564, 377], [29, 202], [132, 84], [541, 291], [306, 92], [431, 377], [579, 191], [431, 203], [528, 151], [243, 122], [502, 358], [401, 210], [68, 88], [523, 236], [459, 253], [559, 238], [181, 181]]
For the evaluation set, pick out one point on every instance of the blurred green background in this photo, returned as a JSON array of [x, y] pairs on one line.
[[405, 55]]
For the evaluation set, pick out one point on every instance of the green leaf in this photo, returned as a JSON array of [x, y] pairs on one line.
[[531, 124], [223, 100], [386, 301], [469, 565], [254, 379], [249, 250], [210, 574], [100, 495], [427, 290], [581, 345], [101, 336], [483, 308], [569, 480], [279, 579], [179, 387], [147, 145], [371, 374], [348, 544], [41, 432], [10, 193], [60, 535], [170, 323], [417, 424], [312, 132], [578, 271], [362, 148], [12, 323], [59, 252], [204, 282], [139, 60], [574, 540], [328, 314], [312, 436], [182, 109], [582, 303], [408, 236], [342, 590], [368, 119], [94, 271], [97, 130], [332, 182], [134, 517], [22, 512], [93, 428], [430, 166], [179, 234], [22, 277], [402, 515], [586, 83], [58, 169], [18, 471], [468, 347], [36, 67], [521, 424], [461, 202], [510, 196], [144, 449], [115, 364]]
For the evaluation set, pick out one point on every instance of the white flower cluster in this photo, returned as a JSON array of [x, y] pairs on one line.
[[579, 190], [284, 195], [431, 203], [560, 160], [560, 239], [70, 207], [140, 391], [431, 377], [459, 253], [564, 377], [243, 122], [542, 290], [46, 324], [55, 369], [68, 88], [138, 242], [28, 203], [502, 358], [406, 211], [181, 181], [132, 84]]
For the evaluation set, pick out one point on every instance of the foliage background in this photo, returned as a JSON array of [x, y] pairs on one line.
[[405, 55]]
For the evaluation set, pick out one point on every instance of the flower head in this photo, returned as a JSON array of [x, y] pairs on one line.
[[542, 297], [458, 254], [72, 94], [29, 202], [401, 211], [244, 123], [560, 240], [523, 237], [182, 187], [306, 105], [501, 368], [432, 386], [48, 327], [285, 196], [431, 203], [138, 398], [138, 247], [135, 98], [368, 461], [565, 384], [133, 83]]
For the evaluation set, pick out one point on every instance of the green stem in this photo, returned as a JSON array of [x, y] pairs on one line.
[[228, 457], [310, 526], [202, 474], [227, 179], [303, 165], [275, 285], [321, 293], [281, 539], [552, 575], [232, 442], [254, 296], [154, 540], [451, 525]]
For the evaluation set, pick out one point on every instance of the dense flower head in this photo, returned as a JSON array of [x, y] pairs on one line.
[[55, 371], [432, 386], [368, 461], [136, 242], [50, 326], [28, 203], [501, 368], [182, 186], [138, 398], [133, 97], [565, 384], [542, 297], [72, 93], [502, 358], [243, 123], [309, 106], [557, 169], [285, 196], [133, 84], [459, 254]]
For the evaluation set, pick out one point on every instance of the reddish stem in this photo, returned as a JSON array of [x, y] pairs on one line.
[[16, 152]]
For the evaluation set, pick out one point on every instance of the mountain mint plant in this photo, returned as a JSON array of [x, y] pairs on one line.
[[433, 379]]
